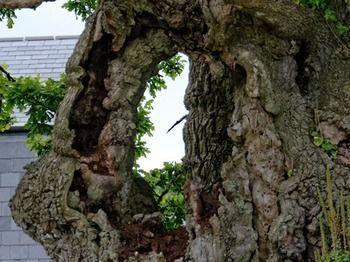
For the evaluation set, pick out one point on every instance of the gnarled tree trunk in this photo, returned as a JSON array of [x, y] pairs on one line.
[[264, 75]]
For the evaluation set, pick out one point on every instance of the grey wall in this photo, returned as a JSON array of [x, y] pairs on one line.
[[14, 244]]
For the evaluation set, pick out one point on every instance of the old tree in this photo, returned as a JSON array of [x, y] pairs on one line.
[[265, 75]]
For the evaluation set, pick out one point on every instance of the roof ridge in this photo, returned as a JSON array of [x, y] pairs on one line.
[[37, 38]]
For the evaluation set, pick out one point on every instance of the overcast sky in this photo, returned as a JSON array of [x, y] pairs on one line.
[[50, 19]]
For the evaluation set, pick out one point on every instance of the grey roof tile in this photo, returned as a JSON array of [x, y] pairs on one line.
[[4, 59], [41, 56], [44, 70], [2, 44], [31, 61], [23, 57], [9, 48], [22, 43], [52, 42], [49, 75], [38, 65], [36, 43], [64, 51], [44, 47], [53, 51], [15, 62], [57, 70], [61, 56]]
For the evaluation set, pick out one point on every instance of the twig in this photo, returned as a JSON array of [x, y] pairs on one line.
[[7, 74], [177, 122]]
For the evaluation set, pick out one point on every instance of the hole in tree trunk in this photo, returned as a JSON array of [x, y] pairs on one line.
[[303, 77], [88, 116], [165, 233]]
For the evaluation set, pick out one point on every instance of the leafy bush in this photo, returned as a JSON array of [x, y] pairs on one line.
[[40, 101], [326, 145], [167, 185]]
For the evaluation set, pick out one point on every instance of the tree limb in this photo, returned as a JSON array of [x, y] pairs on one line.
[[14, 4], [7, 74], [300, 22]]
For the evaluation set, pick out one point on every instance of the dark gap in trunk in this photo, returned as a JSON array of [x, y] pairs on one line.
[[79, 185], [303, 77], [143, 23], [146, 235], [88, 115]]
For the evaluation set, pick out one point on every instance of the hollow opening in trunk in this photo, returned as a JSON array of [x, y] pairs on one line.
[[158, 111], [158, 150], [92, 186]]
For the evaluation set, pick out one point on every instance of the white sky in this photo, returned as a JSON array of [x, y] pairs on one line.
[[50, 19], [47, 20]]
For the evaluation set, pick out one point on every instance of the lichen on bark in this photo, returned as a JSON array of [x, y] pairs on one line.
[[264, 75]]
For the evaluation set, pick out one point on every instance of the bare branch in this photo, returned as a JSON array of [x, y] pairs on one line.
[[177, 122], [13, 4], [7, 74]]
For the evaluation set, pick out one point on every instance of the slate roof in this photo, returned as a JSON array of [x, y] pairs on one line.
[[45, 56], [29, 56]]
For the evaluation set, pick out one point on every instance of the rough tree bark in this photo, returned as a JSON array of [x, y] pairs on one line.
[[22, 3], [264, 75]]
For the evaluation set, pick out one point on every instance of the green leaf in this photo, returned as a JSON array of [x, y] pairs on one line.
[[39, 100], [81, 8], [330, 15], [342, 29], [318, 141], [167, 184], [9, 15]]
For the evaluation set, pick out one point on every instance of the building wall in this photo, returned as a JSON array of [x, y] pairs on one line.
[[15, 245]]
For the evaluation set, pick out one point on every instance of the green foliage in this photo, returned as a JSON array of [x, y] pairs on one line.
[[82, 8], [167, 184], [40, 143], [334, 225], [327, 12], [326, 145], [144, 127], [8, 15], [339, 256], [290, 173], [39, 100], [342, 29], [171, 68], [320, 4]]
